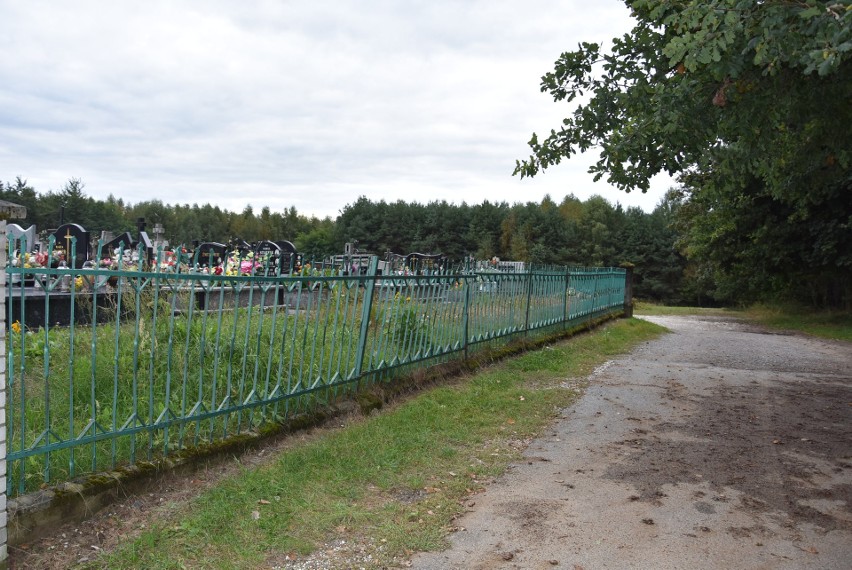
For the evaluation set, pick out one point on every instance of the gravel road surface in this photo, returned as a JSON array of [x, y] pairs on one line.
[[720, 445]]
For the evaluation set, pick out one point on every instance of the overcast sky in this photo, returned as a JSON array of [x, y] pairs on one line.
[[292, 103]]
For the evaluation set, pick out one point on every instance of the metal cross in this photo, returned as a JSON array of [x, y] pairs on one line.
[[68, 238]]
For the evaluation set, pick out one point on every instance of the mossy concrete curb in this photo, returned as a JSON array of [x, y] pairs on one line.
[[35, 515]]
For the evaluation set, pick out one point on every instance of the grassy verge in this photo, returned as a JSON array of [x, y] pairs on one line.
[[393, 482], [648, 308], [836, 325]]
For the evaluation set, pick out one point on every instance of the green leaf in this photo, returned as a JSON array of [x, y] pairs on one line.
[[717, 57], [811, 12]]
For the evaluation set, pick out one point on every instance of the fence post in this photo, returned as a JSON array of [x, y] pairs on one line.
[[529, 301], [466, 317], [596, 277], [628, 290], [7, 210], [365, 316]]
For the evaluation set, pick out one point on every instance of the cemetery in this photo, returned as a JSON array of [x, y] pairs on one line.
[[43, 291], [49, 288], [126, 349]]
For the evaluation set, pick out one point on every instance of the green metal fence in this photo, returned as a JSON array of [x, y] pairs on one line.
[[112, 367]]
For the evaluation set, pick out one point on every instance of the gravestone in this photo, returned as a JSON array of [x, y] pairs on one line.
[[122, 242], [269, 254], [64, 236], [23, 239], [159, 240], [98, 252], [146, 242], [420, 263], [290, 258], [210, 253], [394, 264], [241, 246]]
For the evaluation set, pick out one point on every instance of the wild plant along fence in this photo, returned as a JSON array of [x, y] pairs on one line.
[[114, 366]]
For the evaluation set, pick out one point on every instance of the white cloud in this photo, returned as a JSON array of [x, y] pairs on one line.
[[291, 103]]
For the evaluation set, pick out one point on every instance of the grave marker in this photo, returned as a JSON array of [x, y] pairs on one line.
[[239, 245], [24, 239], [123, 241], [290, 258], [210, 253], [64, 236], [269, 254], [145, 241]]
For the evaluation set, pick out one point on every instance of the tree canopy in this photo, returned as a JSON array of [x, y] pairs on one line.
[[747, 101]]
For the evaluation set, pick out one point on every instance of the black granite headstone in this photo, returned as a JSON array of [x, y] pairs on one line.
[[144, 242], [64, 236], [290, 258], [268, 253], [210, 253], [241, 246], [125, 241]]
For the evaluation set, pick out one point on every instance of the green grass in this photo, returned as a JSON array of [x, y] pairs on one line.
[[82, 379], [835, 325], [358, 482], [66, 379], [649, 308]]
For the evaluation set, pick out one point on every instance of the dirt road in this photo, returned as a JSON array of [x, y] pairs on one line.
[[719, 445]]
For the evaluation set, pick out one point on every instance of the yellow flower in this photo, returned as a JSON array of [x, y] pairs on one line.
[[16, 326]]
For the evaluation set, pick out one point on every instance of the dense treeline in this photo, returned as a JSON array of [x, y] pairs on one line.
[[572, 232]]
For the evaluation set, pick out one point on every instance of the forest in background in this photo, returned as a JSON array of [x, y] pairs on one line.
[[661, 245], [571, 232]]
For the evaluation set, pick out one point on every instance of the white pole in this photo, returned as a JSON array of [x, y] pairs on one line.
[[4, 552], [7, 210]]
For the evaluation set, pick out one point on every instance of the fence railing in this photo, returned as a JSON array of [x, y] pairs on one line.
[[112, 367]]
